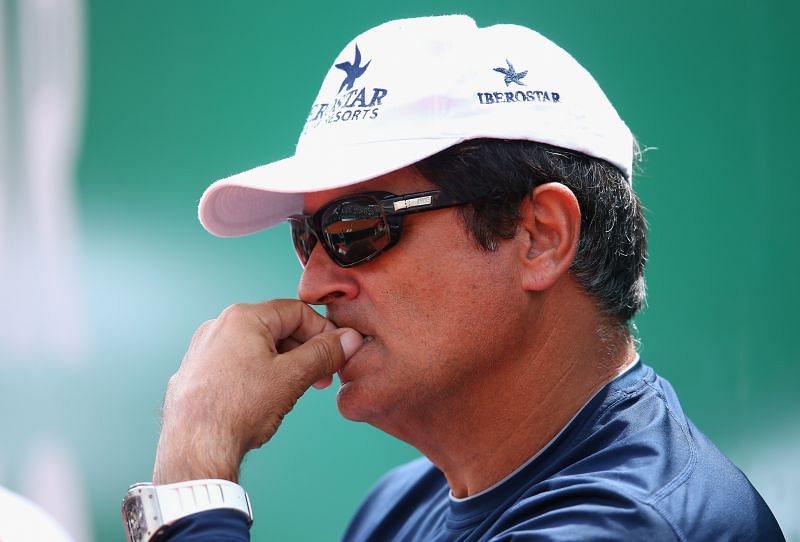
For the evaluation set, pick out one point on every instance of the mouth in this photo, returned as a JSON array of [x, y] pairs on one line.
[[345, 322], [350, 368]]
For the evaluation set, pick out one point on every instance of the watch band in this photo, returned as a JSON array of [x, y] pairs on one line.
[[148, 508]]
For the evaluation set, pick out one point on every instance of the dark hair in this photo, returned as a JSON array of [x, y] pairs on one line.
[[612, 249]]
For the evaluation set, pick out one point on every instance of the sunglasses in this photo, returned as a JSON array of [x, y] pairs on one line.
[[356, 229]]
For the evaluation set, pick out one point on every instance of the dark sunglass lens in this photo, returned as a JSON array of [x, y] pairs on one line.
[[355, 230], [303, 238]]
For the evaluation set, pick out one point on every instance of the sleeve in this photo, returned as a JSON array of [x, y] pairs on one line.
[[216, 525]]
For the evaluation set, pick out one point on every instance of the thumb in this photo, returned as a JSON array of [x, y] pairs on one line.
[[323, 354]]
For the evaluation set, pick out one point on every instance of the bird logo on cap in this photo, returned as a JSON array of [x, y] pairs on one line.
[[353, 70], [511, 75]]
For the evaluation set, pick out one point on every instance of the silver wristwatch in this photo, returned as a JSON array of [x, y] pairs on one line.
[[148, 508]]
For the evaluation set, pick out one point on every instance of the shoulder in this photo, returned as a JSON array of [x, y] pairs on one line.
[[635, 456], [703, 501]]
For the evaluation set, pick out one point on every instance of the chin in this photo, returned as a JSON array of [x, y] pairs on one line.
[[349, 405], [355, 404], [378, 410]]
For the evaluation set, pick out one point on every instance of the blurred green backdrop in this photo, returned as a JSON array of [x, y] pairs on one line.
[[171, 95]]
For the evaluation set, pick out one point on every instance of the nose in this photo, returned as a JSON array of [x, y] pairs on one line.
[[323, 282]]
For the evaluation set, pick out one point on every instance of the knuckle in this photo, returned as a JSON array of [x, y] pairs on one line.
[[206, 324], [202, 328], [234, 312], [173, 384], [270, 315], [272, 312]]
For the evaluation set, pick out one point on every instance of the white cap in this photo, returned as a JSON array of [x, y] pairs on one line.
[[407, 89]]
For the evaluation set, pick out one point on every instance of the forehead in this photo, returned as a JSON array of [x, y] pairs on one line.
[[402, 181]]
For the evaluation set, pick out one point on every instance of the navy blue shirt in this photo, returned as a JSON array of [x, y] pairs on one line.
[[629, 466]]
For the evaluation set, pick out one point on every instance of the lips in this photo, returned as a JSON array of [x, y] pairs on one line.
[[353, 323], [349, 316], [349, 370]]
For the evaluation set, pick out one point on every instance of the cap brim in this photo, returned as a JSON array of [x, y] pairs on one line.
[[266, 195]]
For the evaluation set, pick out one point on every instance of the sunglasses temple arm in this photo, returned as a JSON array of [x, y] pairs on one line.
[[419, 202]]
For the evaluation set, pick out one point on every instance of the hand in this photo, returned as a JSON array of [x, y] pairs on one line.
[[242, 374]]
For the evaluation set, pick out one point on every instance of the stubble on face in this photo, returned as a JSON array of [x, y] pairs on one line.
[[433, 328], [430, 309]]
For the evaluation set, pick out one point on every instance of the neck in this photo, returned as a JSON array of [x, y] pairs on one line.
[[498, 421]]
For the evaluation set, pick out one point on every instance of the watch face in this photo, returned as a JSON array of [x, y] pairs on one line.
[[133, 513]]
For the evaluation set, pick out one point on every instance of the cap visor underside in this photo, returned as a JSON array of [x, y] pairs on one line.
[[264, 196]]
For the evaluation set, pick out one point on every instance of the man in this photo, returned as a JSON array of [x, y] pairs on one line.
[[461, 203]]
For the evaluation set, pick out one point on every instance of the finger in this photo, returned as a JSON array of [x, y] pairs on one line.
[[323, 383], [322, 355], [287, 345], [291, 318], [201, 330]]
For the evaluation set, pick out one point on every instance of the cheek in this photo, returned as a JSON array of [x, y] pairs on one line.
[[437, 289], [454, 302]]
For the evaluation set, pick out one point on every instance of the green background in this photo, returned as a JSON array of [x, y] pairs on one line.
[[180, 93]]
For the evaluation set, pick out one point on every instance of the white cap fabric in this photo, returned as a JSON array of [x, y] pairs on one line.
[[407, 89]]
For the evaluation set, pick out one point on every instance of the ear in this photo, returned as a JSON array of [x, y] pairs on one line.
[[549, 230]]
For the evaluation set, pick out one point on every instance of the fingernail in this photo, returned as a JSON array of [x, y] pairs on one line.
[[351, 341]]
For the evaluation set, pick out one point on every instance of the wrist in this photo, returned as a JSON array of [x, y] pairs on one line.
[[197, 459], [149, 509]]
